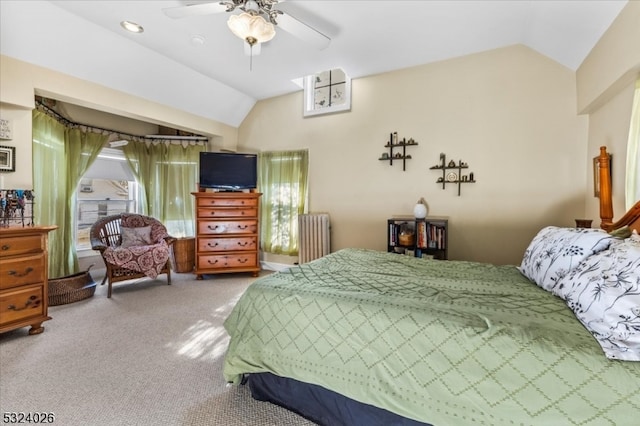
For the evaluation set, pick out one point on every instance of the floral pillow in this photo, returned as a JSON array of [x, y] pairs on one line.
[[555, 251], [140, 236], [604, 293]]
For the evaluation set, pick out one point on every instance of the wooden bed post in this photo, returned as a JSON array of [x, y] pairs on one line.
[[606, 202]]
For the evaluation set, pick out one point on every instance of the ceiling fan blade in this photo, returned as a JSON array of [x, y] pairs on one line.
[[303, 31], [194, 10]]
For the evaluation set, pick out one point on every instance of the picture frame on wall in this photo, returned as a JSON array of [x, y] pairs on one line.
[[596, 176], [5, 129], [7, 158]]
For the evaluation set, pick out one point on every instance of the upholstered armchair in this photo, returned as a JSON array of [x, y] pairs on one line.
[[132, 246]]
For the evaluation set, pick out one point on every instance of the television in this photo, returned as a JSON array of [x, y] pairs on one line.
[[228, 171]]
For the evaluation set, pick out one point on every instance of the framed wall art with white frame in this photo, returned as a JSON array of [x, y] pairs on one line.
[[7, 158], [327, 92], [5, 129]]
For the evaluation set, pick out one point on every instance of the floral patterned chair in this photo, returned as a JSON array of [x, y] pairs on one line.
[[132, 246]]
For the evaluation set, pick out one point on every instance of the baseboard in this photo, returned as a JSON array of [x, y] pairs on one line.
[[273, 266]]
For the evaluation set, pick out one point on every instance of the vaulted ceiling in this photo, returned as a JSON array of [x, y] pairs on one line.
[[213, 79]]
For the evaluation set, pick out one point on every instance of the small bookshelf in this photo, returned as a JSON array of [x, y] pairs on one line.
[[426, 238]]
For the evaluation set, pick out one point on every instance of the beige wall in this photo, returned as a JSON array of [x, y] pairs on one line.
[[509, 113], [605, 92], [20, 81], [613, 62]]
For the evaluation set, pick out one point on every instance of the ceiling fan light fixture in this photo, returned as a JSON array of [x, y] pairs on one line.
[[251, 28]]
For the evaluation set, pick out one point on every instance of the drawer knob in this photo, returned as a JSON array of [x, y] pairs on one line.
[[242, 244], [212, 263], [5, 247], [29, 302], [212, 245], [26, 272], [243, 226], [243, 260]]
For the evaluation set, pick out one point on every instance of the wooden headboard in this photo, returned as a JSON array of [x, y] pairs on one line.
[[630, 218]]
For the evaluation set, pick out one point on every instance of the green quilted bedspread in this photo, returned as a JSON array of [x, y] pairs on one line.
[[443, 342]]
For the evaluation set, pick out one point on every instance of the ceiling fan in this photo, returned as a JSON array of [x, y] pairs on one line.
[[256, 24]]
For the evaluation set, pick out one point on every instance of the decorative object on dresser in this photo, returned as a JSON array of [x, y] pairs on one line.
[[132, 246], [394, 143], [226, 232], [426, 238], [24, 265], [449, 175], [16, 208]]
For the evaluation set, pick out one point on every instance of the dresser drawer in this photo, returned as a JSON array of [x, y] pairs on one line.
[[240, 212], [21, 304], [227, 202], [232, 260], [21, 271], [11, 246], [227, 244], [212, 227]]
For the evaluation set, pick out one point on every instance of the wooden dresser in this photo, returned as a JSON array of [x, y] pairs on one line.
[[227, 238], [23, 278]]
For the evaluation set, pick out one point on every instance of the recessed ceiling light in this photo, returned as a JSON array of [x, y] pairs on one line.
[[132, 26]]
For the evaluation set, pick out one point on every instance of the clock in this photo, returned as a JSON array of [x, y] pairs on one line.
[[452, 177]]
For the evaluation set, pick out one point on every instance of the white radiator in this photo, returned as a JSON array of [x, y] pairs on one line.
[[313, 236]]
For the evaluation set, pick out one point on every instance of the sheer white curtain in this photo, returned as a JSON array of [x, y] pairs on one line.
[[632, 187]]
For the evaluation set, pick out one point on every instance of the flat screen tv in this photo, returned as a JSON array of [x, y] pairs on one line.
[[228, 171]]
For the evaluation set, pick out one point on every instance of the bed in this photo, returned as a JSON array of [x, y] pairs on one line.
[[361, 337]]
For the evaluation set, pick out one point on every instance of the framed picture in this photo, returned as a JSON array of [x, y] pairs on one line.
[[7, 158], [327, 92], [5, 129], [596, 176]]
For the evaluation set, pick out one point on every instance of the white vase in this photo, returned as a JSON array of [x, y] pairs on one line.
[[420, 211]]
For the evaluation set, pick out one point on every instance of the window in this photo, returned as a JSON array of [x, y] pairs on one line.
[[327, 92], [107, 188], [283, 183]]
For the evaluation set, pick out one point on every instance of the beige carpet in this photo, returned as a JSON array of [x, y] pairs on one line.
[[150, 355]]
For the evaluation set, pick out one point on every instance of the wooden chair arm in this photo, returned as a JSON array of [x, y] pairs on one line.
[[96, 244], [170, 240]]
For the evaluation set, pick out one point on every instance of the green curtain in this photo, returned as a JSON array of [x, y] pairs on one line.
[[167, 174], [82, 149], [49, 185], [632, 187], [282, 179], [60, 157]]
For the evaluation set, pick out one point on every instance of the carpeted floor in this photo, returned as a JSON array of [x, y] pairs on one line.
[[150, 355]]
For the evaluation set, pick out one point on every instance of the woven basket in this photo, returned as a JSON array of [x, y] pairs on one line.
[[183, 254], [71, 288]]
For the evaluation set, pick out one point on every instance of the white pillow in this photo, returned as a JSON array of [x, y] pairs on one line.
[[604, 293], [140, 236], [555, 251]]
